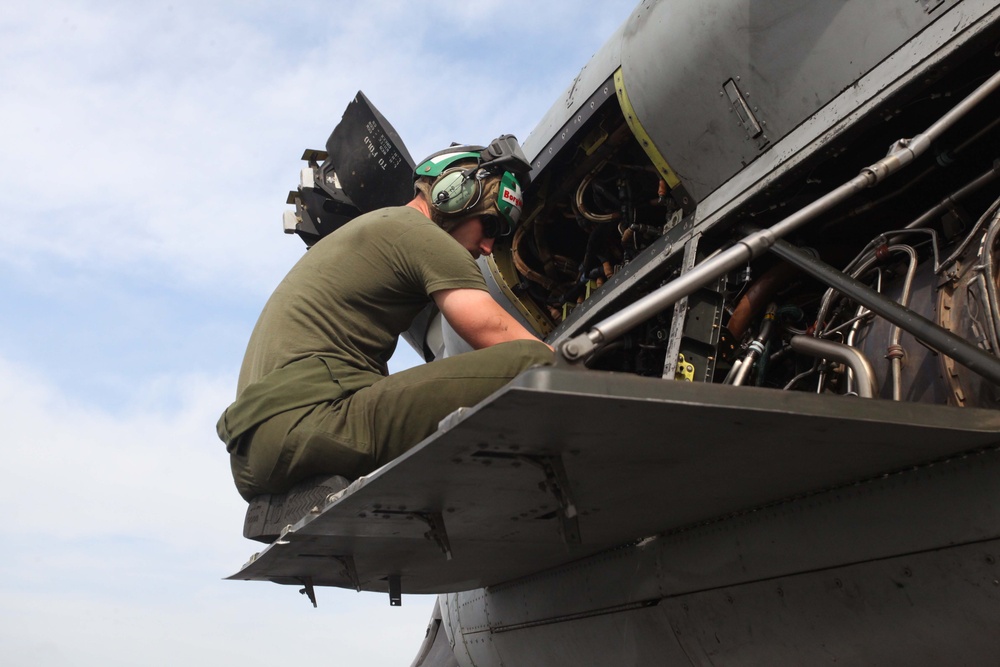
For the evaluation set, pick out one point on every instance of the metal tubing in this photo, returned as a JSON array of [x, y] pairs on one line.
[[862, 181], [897, 333], [941, 340], [959, 110], [711, 269], [852, 357], [904, 152], [952, 199], [828, 297], [988, 277], [863, 314], [953, 257], [744, 369], [758, 347]]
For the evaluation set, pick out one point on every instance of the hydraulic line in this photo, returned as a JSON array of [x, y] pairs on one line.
[[943, 160], [582, 208], [851, 338], [522, 266], [894, 237], [733, 372], [863, 316], [800, 376], [988, 275], [853, 358], [952, 199], [953, 257], [895, 353], [757, 346], [828, 297]]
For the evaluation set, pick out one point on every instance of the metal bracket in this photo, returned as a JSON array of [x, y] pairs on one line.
[[685, 370], [437, 531], [309, 590], [347, 562], [670, 364], [434, 521], [557, 483], [395, 591]]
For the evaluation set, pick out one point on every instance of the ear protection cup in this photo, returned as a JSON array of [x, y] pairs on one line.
[[453, 192]]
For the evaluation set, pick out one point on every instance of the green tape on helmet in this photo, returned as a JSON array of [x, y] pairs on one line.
[[437, 163]]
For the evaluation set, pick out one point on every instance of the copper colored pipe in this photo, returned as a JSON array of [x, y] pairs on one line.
[[758, 296]]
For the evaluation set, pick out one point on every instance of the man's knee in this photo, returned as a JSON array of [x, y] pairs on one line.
[[527, 353], [538, 351]]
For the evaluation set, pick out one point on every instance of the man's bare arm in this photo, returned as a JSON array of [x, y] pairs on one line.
[[478, 319]]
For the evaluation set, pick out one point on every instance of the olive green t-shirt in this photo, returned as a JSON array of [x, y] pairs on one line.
[[344, 304]]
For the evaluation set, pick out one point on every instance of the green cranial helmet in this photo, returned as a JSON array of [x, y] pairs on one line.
[[465, 181]]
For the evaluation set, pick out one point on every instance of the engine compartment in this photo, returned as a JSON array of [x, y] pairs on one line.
[[926, 237]]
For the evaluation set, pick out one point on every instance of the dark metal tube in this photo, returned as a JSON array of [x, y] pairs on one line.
[[935, 337], [952, 199]]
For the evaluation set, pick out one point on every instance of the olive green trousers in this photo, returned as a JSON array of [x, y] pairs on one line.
[[355, 435]]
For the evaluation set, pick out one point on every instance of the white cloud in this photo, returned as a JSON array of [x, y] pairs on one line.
[[125, 526], [145, 473], [164, 140]]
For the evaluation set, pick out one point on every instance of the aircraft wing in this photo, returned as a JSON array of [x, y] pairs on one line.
[[562, 464]]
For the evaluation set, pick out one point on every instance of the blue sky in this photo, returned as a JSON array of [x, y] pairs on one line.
[[146, 151]]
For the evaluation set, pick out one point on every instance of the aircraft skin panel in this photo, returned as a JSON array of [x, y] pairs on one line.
[[929, 508], [925, 609], [901, 569], [917, 59], [786, 59], [437, 649], [563, 464]]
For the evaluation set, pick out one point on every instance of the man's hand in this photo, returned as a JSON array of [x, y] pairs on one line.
[[478, 319]]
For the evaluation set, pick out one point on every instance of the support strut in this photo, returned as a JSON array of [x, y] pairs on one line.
[[935, 337]]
